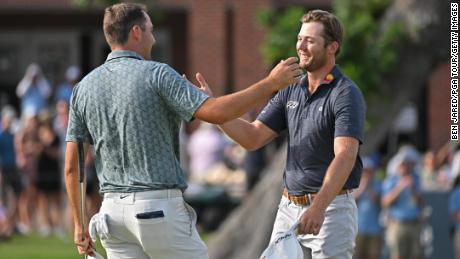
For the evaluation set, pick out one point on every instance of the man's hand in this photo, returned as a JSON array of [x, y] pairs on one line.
[[83, 241], [204, 87], [311, 221], [285, 73]]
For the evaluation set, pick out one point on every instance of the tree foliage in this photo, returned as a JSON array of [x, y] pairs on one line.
[[368, 51], [89, 3]]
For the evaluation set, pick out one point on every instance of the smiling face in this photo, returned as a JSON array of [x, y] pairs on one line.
[[311, 47]]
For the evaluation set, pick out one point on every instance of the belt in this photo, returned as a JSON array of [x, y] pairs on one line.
[[306, 199], [146, 195]]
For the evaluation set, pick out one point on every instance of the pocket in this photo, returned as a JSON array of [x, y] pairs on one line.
[[283, 202], [153, 230], [192, 218]]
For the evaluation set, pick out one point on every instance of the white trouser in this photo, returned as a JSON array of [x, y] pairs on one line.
[[336, 238], [152, 224]]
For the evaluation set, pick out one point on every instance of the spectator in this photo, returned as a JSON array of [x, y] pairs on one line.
[[33, 90], [455, 164], [206, 148], [60, 125], [4, 224], [429, 173], [64, 90], [27, 144], [9, 174], [402, 199], [403, 151], [454, 211], [369, 240], [48, 181]]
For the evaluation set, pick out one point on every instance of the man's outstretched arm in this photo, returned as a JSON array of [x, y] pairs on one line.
[[250, 135], [225, 108]]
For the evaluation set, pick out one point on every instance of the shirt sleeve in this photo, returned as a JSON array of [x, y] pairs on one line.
[[273, 115], [180, 95], [350, 113], [77, 129]]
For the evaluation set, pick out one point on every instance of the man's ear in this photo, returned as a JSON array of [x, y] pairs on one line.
[[136, 32], [333, 47]]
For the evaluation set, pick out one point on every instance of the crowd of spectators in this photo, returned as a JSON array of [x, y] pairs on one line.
[[391, 209], [32, 148]]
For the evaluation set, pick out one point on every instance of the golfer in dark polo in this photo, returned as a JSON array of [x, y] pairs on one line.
[[130, 109], [323, 115]]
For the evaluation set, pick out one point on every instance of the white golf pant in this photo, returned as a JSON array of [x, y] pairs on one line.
[[152, 224], [336, 238]]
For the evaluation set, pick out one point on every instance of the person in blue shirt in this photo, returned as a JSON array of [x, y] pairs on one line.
[[369, 239], [33, 90], [454, 211], [8, 170], [402, 200], [64, 90]]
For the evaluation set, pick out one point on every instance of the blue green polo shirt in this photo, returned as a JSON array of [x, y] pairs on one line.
[[335, 109], [131, 109]]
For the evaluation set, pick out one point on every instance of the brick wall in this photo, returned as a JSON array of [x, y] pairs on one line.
[[438, 101], [206, 42], [248, 37]]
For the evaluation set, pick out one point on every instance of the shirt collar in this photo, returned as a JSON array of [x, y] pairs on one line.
[[123, 54], [332, 76], [329, 79]]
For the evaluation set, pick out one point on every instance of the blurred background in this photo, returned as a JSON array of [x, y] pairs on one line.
[[396, 51]]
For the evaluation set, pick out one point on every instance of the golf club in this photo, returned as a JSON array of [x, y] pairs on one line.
[[81, 175]]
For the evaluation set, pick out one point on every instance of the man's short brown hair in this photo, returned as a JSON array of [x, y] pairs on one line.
[[120, 18], [333, 30]]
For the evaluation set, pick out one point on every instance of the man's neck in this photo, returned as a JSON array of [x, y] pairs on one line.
[[129, 48], [315, 78]]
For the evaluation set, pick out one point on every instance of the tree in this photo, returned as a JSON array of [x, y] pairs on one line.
[[426, 22]]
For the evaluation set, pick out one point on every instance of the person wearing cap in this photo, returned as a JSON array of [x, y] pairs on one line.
[[130, 109], [34, 91], [401, 197], [324, 116], [369, 239]]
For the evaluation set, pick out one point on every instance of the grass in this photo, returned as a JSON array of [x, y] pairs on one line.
[[37, 247]]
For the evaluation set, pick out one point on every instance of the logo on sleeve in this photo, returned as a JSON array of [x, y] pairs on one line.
[[292, 104]]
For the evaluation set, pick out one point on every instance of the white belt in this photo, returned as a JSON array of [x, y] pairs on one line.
[[155, 194]]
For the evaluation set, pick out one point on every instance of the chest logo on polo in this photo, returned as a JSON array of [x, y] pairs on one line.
[[320, 108], [291, 104]]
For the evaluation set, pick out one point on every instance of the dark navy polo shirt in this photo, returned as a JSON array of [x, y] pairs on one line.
[[335, 109]]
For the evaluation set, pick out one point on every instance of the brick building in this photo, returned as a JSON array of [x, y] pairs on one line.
[[219, 38]]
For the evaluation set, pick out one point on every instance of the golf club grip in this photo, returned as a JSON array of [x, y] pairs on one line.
[[81, 161]]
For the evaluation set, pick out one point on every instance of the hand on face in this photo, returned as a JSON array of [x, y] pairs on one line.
[[287, 72]]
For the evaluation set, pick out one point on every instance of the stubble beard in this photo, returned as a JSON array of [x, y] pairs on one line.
[[315, 63]]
